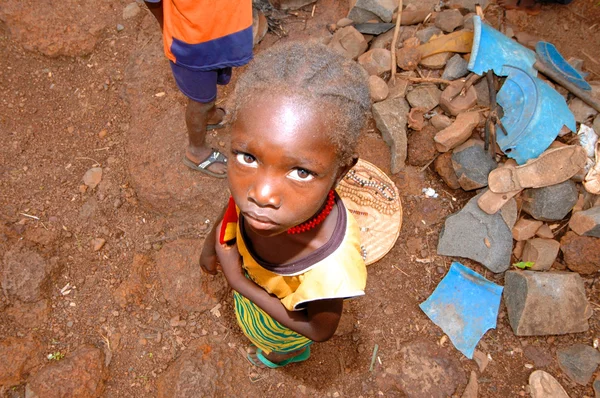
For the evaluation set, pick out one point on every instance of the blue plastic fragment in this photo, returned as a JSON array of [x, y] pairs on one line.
[[493, 50], [534, 114], [549, 55], [465, 305]]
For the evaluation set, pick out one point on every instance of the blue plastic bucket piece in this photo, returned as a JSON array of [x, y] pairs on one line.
[[493, 50], [549, 55], [465, 305], [534, 114]]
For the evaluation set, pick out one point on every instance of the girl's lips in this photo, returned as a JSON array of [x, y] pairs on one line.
[[259, 222]]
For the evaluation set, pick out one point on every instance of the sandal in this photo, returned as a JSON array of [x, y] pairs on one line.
[[214, 157], [303, 356], [219, 125]]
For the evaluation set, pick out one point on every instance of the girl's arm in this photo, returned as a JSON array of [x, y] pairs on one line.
[[208, 257], [318, 322]]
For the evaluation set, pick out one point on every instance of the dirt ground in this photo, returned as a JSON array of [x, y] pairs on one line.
[[118, 108]]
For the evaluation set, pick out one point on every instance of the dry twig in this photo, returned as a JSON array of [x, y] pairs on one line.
[[395, 40]]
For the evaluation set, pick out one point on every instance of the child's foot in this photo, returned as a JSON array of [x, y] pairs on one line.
[[275, 360], [531, 7], [206, 160], [216, 119]]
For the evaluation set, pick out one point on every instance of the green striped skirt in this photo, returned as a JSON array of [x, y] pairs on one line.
[[265, 332]]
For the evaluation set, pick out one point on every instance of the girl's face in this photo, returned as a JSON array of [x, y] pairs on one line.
[[281, 165]]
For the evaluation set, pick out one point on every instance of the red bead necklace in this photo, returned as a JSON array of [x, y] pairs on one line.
[[317, 219]]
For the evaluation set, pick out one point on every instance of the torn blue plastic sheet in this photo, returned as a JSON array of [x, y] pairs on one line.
[[549, 55], [534, 114], [465, 306], [493, 50]]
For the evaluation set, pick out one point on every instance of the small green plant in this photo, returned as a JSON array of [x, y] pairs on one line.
[[150, 355], [524, 265], [56, 356]]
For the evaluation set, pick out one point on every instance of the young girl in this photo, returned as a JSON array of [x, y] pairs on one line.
[[293, 252]]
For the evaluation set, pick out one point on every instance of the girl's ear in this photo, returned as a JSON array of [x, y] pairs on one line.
[[343, 170]]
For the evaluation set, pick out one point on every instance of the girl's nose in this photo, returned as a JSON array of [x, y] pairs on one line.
[[264, 193]]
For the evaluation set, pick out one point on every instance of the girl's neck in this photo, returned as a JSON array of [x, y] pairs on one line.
[[285, 248]]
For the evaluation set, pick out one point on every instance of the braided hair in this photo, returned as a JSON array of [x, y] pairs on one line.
[[318, 74]]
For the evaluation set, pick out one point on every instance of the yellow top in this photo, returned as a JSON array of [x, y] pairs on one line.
[[335, 270]]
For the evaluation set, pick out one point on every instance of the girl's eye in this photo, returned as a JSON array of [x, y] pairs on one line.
[[301, 175], [246, 159]]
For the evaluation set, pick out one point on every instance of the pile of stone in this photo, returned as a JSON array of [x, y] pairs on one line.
[[428, 116]]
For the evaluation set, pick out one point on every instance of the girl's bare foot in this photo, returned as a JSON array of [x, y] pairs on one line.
[[531, 7]]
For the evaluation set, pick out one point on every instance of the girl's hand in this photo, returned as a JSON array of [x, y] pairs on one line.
[[231, 262], [208, 261]]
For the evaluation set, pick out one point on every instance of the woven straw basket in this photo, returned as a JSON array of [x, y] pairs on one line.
[[373, 199]]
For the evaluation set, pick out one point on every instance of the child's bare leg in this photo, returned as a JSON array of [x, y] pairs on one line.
[[275, 357], [197, 116]]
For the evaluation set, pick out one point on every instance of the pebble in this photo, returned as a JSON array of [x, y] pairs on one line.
[[120, 27], [102, 133], [115, 313], [378, 88], [92, 177], [70, 324], [98, 243], [131, 10]]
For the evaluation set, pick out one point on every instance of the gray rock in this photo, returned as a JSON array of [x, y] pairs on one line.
[[579, 362], [425, 96], [468, 21], [391, 117], [449, 20], [383, 9], [358, 15], [349, 42], [290, 4], [472, 165], [440, 121], [131, 10], [26, 276], [510, 213], [468, 233], [426, 370], [456, 67], [483, 93], [467, 4], [581, 110], [430, 5], [436, 61], [586, 222], [551, 203], [542, 303], [425, 34], [544, 385], [120, 27]]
